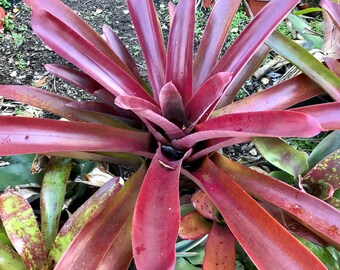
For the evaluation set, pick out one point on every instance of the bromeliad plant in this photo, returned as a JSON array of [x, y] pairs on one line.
[[175, 125]]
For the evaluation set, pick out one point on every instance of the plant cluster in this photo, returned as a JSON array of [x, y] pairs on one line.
[[170, 133]]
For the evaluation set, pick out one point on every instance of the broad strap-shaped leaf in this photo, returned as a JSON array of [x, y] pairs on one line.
[[120, 50], [206, 96], [266, 242], [68, 17], [331, 46], [18, 173], [75, 77], [22, 229], [180, 49], [86, 212], [326, 114], [220, 248], [10, 259], [326, 171], [172, 9], [52, 197], [292, 225], [33, 135], [253, 124], [55, 104], [213, 39], [333, 65], [245, 73], [149, 33], [193, 225], [109, 233], [316, 215], [327, 146], [171, 104], [204, 205], [245, 46], [277, 97], [128, 160], [307, 63], [156, 217], [333, 9], [151, 113], [282, 155], [85, 56]]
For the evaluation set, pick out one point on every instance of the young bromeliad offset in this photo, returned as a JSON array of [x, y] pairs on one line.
[[186, 115]]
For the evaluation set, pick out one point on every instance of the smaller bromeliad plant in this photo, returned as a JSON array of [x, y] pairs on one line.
[[173, 130]]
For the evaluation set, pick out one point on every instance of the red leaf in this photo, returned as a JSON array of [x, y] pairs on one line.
[[333, 9], [194, 226], [278, 97], [204, 205], [146, 110], [266, 242], [172, 9], [75, 77], [333, 65], [253, 124], [213, 39], [316, 215], [206, 96], [105, 241], [149, 33], [180, 49], [32, 135], [220, 249], [263, 24], [84, 55], [245, 73], [327, 114], [120, 50], [171, 104], [156, 217], [68, 17]]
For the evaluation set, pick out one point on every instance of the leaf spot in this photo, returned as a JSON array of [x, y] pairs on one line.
[[140, 249]]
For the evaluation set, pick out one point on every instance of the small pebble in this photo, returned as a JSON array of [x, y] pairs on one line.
[[125, 11], [253, 152], [265, 81], [13, 74]]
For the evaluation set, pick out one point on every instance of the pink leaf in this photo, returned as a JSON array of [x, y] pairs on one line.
[[278, 97], [213, 39], [171, 104], [149, 33], [85, 56], [206, 96], [263, 24], [327, 114], [34, 135], [180, 49], [266, 242], [316, 215], [156, 218], [120, 50], [253, 124], [204, 205], [220, 249]]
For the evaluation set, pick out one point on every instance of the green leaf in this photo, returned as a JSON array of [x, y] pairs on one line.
[[23, 230], [323, 254], [87, 211], [303, 28], [18, 174], [52, 197], [185, 245], [3, 236], [309, 65], [19, 159], [9, 259], [186, 209], [283, 176], [282, 155], [198, 259], [182, 264], [307, 10], [327, 146]]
